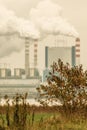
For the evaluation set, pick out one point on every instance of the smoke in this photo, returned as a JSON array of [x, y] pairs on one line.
[[11, 26], [45, 19], [27, 29], [48, 17], [8, 46], [46, 9], [7, 21]]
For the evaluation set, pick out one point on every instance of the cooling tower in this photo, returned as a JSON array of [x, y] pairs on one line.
[[27, 66], [77, 51]]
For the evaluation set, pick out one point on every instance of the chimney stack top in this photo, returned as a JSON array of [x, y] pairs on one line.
[[77, 39]]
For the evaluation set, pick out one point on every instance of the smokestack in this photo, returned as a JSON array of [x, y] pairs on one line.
[[46, 57], [27, 66], [35, 52], [77, 51]]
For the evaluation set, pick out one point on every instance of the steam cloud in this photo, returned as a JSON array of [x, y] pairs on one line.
[[8, 46], [27, 29], [7, 21], [48, 17], [11, 25]]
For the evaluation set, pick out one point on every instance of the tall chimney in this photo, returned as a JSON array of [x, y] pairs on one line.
[[77, 51], [35, 52], [27, 57]]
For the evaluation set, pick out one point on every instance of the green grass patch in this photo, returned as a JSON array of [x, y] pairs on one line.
[[45, 116]]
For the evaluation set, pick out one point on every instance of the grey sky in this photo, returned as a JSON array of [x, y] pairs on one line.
[[74, 10]]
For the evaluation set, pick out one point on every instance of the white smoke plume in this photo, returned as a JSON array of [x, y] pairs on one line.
[[10, 45], [7, 21], [48, 17], [11, 26], [27, 29]]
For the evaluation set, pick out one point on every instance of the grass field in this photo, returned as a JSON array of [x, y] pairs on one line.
[[54, 121], [40, 119], [25, 117]]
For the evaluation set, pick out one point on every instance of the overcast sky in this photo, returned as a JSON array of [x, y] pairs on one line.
[[74, 10]]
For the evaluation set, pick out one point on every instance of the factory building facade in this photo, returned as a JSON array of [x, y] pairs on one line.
[[19, 73], [5, 73], [31, 72], [52, 54], [68, 54]]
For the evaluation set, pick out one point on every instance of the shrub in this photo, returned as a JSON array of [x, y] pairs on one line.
[[65, 84]]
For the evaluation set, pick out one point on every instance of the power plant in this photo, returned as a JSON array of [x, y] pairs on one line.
[[27, 76], [38, 39], [36, 29], [30, 72], [67, 53]]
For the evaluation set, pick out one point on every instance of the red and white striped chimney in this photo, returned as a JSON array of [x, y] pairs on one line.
[[77, 51], [27, 65], [35, 52]]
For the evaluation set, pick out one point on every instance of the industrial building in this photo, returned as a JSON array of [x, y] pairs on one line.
[[52, 54], [31, 72], [68, 54], [22, 79], [18, 73], [5, 73]]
